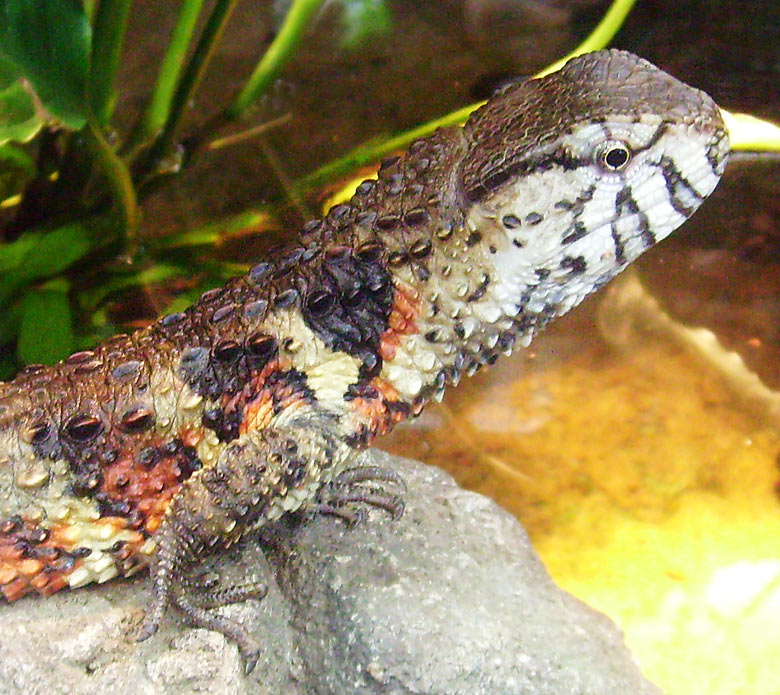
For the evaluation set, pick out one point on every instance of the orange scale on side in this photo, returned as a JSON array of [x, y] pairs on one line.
[[27, 566], [290, 397], [191, 435], [16, 589], [114, 523], [402, 321], [7, 574], [54, 583], [129, 480], [376, 413], [153, 509], [153, 522], [254, 402], [40, 581], [257, 413], [30, 567]]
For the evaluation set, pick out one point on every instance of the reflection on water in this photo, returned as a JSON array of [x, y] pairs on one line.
[[646, 487]]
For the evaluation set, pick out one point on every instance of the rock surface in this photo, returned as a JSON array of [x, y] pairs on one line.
[[450, 599]]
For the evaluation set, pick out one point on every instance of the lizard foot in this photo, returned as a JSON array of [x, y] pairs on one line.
[[172, 583], [195, 608], [195, 599], [352, 487], [206, 592]]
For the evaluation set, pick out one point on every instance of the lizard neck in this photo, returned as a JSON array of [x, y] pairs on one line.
[[492, 266]]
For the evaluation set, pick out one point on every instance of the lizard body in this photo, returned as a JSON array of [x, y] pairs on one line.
[[168, 444]]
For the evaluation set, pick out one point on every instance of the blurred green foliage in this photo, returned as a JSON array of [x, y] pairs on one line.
[[70, 184], [364, 20], [48, 44]]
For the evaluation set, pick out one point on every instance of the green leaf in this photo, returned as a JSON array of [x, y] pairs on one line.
[[12, 254], [9, 322], [48, 42], [46, 331], [7, 367], [159, 273], [19, 119], [17, 167], [42, 256]]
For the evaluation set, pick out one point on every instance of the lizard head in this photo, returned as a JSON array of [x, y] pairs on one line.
[[579, 172]]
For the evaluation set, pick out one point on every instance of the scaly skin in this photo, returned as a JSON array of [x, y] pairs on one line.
[[162, 446]]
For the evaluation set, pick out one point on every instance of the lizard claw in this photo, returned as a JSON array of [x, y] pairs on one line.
[[148, 629], [353, 487], [250, 658]]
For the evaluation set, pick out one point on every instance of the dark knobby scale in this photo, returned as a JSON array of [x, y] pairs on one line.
[[348, 304]]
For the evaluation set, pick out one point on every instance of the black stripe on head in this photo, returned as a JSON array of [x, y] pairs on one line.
[[494, 172], [715, 158], [578, 229], [626, 203], [654, 138], [674, 179], [620, 248], [576, 265], [575, 232]]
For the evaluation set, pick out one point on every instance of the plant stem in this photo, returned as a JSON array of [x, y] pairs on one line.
[[266, 71], [250, 221], [374, 150], [278, 53], [188, 85], [107, 39], [597, 39], [159, 107], [751, 134], [89, 9], [249, 133], [120, 183]]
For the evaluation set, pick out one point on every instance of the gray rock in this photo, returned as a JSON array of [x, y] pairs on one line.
[[450, 599], [82, 643]]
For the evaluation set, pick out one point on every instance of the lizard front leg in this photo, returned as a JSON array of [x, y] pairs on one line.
[[256, 479]]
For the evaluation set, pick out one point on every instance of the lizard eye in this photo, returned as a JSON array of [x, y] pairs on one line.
[[615, 156]]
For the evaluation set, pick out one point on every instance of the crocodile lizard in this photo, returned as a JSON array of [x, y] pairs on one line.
[[163, 446]]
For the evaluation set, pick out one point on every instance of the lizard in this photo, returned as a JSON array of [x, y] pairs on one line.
[[162, 447]]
